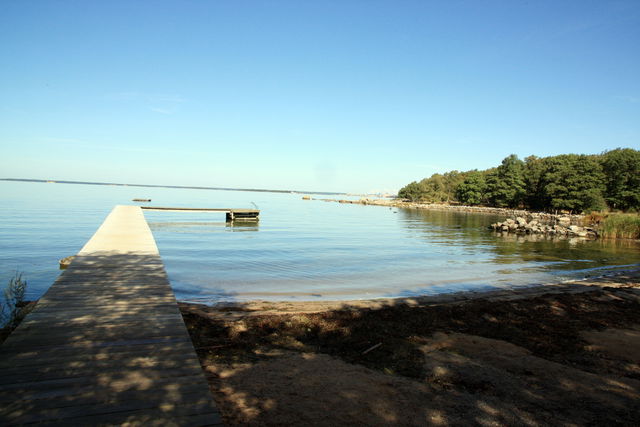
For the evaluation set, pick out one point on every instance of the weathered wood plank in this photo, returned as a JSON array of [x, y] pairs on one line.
[[82, 385], [69, 357], [63, 367], [92, 398], [106, 344], [55, 338], [139, 418], [83, 406]]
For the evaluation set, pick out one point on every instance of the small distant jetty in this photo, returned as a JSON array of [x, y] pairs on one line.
[[240, 215], [142, 200]]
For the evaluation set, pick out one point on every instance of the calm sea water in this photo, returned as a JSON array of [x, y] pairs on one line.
[[300, 250]]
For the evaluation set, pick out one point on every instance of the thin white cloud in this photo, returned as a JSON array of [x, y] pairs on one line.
[[167, 98], [122, 96], [162, 110], [145, 97], [628, 98]]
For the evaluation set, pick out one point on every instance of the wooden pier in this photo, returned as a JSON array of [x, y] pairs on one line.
[[249, 215], [106, 345]]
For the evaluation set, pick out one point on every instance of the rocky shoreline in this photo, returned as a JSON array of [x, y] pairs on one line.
[[537, 218], [561, 226]]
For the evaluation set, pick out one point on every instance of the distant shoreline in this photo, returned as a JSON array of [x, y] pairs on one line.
[[258, 190], [509, 212]]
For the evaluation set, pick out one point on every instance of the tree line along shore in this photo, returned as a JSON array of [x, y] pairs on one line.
[[570, 182], [605, 187]]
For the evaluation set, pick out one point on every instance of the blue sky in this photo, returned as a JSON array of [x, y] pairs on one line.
[[341, 95]]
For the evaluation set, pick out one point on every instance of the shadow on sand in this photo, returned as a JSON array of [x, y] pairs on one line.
[[565, 358]]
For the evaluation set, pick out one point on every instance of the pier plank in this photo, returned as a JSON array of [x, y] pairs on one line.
[[106, 345]]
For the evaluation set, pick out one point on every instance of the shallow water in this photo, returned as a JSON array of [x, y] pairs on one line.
[[300, 250]]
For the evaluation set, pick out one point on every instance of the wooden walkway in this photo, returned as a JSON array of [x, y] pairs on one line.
[[106, 345]]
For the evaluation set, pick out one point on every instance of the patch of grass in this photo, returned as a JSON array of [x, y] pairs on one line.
[[593, 219], [620, 226]]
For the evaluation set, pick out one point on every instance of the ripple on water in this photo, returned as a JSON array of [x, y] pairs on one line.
[[300, 250]]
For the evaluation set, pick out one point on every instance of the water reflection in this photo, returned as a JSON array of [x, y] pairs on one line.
[[564, 253], [447, 224], [239, 226], [536, 252], [330, 251], [201, 227]]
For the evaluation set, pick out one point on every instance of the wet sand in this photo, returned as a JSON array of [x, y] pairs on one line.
[[559, 354], [239, 310]]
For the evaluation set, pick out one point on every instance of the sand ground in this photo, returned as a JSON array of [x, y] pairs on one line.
[[564, 354]]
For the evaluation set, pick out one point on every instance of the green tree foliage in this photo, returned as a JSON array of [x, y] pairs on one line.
[[433, 188], [411, 192], [472, 190], [622, 178], [506, 186], [436, 188], [574, 182], [566, 182], [534, 169], [451, 181]]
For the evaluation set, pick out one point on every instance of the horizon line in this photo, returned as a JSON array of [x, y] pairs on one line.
[[258, 190]]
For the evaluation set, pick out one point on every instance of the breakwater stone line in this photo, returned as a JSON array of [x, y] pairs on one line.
[[539, 217], [106, 345]]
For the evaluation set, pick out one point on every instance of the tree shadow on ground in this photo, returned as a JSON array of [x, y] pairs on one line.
[[512, 361]]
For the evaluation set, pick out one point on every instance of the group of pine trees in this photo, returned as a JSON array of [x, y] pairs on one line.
[[572, 182]]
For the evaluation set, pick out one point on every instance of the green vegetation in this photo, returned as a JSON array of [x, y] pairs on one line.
[[625, 226], [622, 178], [437, 188], [11, 308], [568, 182], [574, 183], [473, 188], [505, 185]]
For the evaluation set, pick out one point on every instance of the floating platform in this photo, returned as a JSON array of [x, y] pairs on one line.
[[248, 215]]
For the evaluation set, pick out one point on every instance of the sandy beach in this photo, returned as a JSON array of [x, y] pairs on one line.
[[556, 354]]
